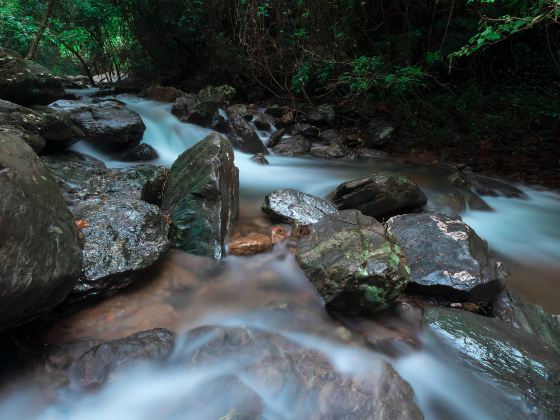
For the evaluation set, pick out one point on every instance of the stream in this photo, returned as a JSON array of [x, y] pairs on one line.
[[524, 233]]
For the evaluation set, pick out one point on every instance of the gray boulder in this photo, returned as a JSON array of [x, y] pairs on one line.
[[356, 266], [195, 110], [380, 196], [202, 197], [241, 133], [26, 82], [109, 124], [447, 258], [293, 146], [333, 151], [39, 246], [296, 207]]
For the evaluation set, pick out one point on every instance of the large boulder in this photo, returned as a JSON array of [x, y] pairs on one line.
[[296, 207], [192, 109], [356, 266], [447, 258], [241, 133], [123, 237], [202, 197], [380, 195], [293, 146], [123, 233], [26, 82], [40, 126], [220, 95], [39, 246], [109, 124], [507, 357], [289, 377]]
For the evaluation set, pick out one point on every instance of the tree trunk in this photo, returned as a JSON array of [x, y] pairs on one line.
[[82, 62], [39, 34]]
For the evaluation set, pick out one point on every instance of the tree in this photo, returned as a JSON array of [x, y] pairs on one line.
[[33, 50]]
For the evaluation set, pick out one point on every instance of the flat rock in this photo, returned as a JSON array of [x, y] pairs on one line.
[[296, 207], [356, 266], [251, 244], [39, 246], [447, 258], [380, 195]]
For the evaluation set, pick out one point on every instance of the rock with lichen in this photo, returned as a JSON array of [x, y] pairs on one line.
[[356, 266]]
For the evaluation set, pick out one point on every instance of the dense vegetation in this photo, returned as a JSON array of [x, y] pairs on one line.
[[490, 61]]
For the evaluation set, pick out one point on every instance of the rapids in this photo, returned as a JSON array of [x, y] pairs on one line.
[[525, 233]]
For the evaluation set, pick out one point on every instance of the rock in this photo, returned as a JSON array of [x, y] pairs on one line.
[[276, 137], [162, 93], [377, 134], [484, 185], [104, 362], [26, 82], [219, 123], [297, 379], [109, 124], [277, 111], [306, 130], [131, 84], [123, 237], [380, 196], [75, 82], [39, 127], [528, 317], [293, 146], [332, 136], [57, 129], [192, 109], [202, 197], [259, 158], [251, 244], [139, 153], [263, 122], [293, 206], [241, 134], [356, 266], [39, 245], [447, 258], [508, 358], [334, 151], [220, 95], [322, 115], [81, 177]]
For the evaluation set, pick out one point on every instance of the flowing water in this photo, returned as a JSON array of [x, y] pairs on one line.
[[185, 292]]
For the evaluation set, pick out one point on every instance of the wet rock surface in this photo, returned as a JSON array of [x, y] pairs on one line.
[[39, 127], [293, 146], [162, 93], [380, 195], [123, 237], [493, 187], [202, 197], [334, 151], [296, 207], [240, 131], [109, 124], [40, 256], [447, 258], [140, 153], [504, 355], [285, 369], [354, 264], [26, 82], [251, 244], [195, 110]]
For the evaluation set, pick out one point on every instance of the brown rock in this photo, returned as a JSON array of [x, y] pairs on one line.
[[251, 244]]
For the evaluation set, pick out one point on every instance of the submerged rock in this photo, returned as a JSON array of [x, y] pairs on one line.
[[293, 146], [123, 237], [241, 133], [195, 110], [447, 258], [356, 266], [40, 257], [259, 158], [202, 197], [296, 207], [26, 82], [507, 357], [251, 244], [493, 187], [380, 195], [280, 369], [109, 124]]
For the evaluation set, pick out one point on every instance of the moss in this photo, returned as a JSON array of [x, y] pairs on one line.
[[374, 294]]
